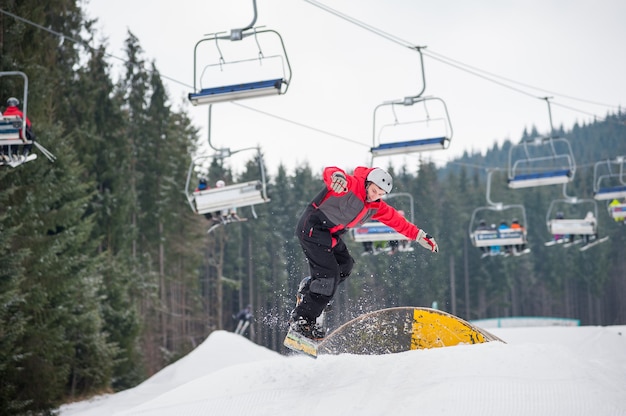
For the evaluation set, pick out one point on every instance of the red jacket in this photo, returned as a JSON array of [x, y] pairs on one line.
[[333, 214], [14, 111]]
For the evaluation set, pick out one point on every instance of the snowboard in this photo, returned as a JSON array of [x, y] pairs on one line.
[[297, 342]]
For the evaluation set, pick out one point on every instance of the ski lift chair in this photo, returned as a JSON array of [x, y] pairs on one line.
[[13, 129], [10, 128], [572, 226], [614, 192], [375, 231], [609, 179], [578, 217], [406, 132], [541, 161], [497, 237], [484, 237], [545, 161], [409, 127], [239, 78], [228, 197]]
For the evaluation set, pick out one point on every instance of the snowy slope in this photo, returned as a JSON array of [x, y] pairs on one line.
[[540, 371]]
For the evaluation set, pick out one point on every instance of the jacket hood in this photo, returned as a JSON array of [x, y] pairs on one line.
[[362, 172]]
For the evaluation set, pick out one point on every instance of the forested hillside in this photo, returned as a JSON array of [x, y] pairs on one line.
[[107, 275]]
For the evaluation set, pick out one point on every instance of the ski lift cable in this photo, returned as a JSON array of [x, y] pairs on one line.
[[84, 44], [448, 61], [461, 65], [363, 25], [485, 77], [476, 72], [434, 55], [386, 35], [409, 45], [184, 84], [297, 123], [595, 116]]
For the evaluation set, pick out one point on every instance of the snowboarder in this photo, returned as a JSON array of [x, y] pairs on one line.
[[345, 202]]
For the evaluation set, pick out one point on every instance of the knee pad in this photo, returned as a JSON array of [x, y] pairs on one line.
[[324, 286]]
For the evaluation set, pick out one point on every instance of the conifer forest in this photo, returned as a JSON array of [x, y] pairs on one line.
[[107, 275]]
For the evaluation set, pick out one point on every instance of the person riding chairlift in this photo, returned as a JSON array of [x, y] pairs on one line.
[[13, 110]]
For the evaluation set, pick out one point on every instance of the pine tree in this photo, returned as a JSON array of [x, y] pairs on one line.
[[63, 345], [13, 320], [59, 348], [101, 146]]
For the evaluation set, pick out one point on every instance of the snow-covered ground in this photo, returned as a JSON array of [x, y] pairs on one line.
[[539, 371]]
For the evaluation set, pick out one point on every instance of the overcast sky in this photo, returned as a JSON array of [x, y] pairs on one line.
[[570, 50]]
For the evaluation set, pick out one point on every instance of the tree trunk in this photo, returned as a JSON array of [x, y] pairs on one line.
[[467, 280], [219, 287], [251, 289], [452, 287], [162, 290]]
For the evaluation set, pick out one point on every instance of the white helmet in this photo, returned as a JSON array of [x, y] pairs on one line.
[[220, 184], [380, 178], [13, 102]]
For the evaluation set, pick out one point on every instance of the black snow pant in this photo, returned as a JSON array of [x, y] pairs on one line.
[[329, 267]]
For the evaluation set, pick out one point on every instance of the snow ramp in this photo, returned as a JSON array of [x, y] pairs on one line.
[[393, 330]]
